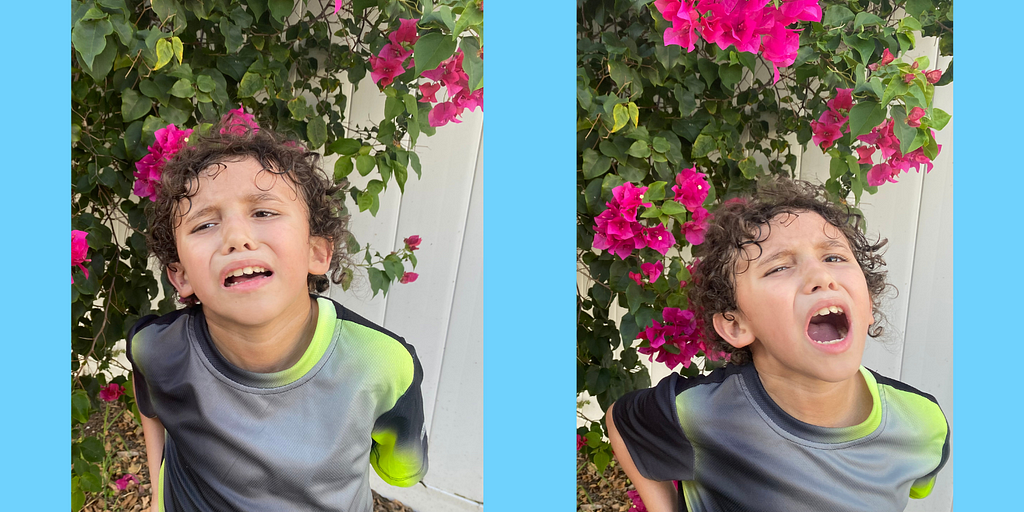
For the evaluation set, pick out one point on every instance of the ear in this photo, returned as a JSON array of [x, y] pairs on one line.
[[320, 252], [177, 276], [732, 326]]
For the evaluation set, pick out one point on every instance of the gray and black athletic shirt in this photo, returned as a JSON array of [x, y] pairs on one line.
[[734, 449], [299, 439]]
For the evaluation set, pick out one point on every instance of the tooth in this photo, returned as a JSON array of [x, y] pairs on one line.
[[247, 270], [834, 309], [822, 311]]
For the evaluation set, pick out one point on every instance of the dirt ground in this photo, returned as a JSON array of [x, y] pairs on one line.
[[605, 492], [124, 441]]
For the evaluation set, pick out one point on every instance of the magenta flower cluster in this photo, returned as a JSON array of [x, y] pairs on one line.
[[691, 190], [638, 504], [169, 140], [458, 96], [893, 161], [617, 229], [237, 122], [111, 392], [79, 250], [676, 341], [390, 61], [830, 126], [753, 26]]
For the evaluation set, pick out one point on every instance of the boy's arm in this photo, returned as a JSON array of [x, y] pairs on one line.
[[153, 432], [657, 496]]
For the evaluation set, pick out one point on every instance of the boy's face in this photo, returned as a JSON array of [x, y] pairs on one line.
[[244, 246], [804, 305]]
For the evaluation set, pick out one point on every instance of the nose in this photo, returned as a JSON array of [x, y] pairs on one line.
[[819, 277], [238, 235]]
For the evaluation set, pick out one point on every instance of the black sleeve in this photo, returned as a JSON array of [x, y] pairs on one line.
[[399, 450], [139, 379], [648, 422]]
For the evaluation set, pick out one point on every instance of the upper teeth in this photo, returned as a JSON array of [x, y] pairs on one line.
[[830, 309], [246, 270]]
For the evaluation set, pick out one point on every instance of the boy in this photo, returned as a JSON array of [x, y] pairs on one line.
[[271, 398], [789, 286]]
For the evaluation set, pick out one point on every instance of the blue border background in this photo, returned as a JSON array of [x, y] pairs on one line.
[[530, 255], [34, 260], [987, 250]]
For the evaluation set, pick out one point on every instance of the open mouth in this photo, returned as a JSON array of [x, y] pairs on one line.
[[246, 274], [828, 325]]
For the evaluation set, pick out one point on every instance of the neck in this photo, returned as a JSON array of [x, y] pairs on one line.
[[267, 348], [825, 404]]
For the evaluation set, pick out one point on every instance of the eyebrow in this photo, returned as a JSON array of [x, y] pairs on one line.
[[831, 243], [256, 198]]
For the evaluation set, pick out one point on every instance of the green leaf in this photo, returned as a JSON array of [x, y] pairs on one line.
[[472, 64], [233, 39], [750, 168], [250, 85], [939, 118], [394, 268], [80, 406], [651, 213], [655, 191], [280, 9], [634, 113], [704, 145], [377, 278], [365, 164], [731, 74], [471, 16], [134, 105], [865, 19], [344, 146], [430, 50], [77, 495], [401, 176], [620, 116], [864, 116], [594, 163], [316, 132], [179, 49], [837, 16], [297, 107], [864, 47], [905, 133], [183, 89], [393, 107], [672, 208], [92, 449], [342, 168], [164, 53], [90, 38], [639, 149]]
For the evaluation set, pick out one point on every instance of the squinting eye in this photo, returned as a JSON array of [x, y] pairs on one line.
[[774, 270], [202, 227], [833, 258], [264, 214]]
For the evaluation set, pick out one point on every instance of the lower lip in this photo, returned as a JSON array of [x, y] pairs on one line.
[[249, 285], [832, 348]]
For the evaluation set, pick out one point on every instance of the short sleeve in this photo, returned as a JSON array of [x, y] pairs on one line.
[[141, 388], [648, 422], [399, 451]]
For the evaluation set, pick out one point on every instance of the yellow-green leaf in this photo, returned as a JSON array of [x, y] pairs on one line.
[[179, 49], [634, 114], [620, 114], [164, 53]]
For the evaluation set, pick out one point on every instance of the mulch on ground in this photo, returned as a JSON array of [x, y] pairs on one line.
[[127, 448], [601, 491]]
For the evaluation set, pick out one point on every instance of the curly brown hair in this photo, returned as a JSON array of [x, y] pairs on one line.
[[739, 223], [179, 183]]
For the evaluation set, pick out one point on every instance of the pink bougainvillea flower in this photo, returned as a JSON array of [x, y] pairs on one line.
[[907, 78], [111, 392], [638, 504], [429, 90], [658, 238], [394, 52], [408, 277], [442, 114], [580, 442], [914, 117], [842, 101], [639, 279], [865, 153], [652, 270], [384, 71], [881, 173], [412, 242], [691, 188], [684, 19], [148, 170], [406, 34], [824, 134], [694, 230], [933, 76], [122, 483], [79, 250], [469, 101], [799, 10], [887, 57], [337, 6], [780, 47], [237, 122], [629, 198]]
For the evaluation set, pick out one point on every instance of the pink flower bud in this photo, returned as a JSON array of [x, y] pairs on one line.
[[933, 76], [408, 277], [909, 77]]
